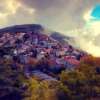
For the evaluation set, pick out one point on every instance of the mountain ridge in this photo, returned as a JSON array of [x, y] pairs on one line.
[[21, 28]]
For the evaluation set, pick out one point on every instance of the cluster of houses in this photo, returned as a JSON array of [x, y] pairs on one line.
[[29, 47]]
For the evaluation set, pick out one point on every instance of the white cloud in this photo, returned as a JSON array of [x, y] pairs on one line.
[[10, 10], [87, 37]]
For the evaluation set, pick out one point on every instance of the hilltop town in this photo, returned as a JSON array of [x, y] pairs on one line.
[[27, 54], [31, 47]]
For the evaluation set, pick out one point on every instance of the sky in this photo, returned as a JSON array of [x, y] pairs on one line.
[[78, 18]]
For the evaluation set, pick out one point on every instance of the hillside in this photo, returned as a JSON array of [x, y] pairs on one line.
[[33, 58], [25, 39]]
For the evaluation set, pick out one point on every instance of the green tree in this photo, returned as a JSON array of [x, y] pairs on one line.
[[44, 90]]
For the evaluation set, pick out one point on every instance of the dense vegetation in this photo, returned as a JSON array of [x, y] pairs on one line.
[[83, 83]]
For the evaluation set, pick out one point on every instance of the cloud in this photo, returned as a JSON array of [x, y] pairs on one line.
[[92, 44], [61, 15], [12, 11], [88, 37]]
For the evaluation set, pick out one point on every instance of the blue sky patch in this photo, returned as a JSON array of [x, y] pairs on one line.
[[96, 12]]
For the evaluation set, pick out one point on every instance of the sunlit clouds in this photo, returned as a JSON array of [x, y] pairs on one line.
[[9, 9], [95, 27], [89, 36], [12, 6], [87, 15]]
